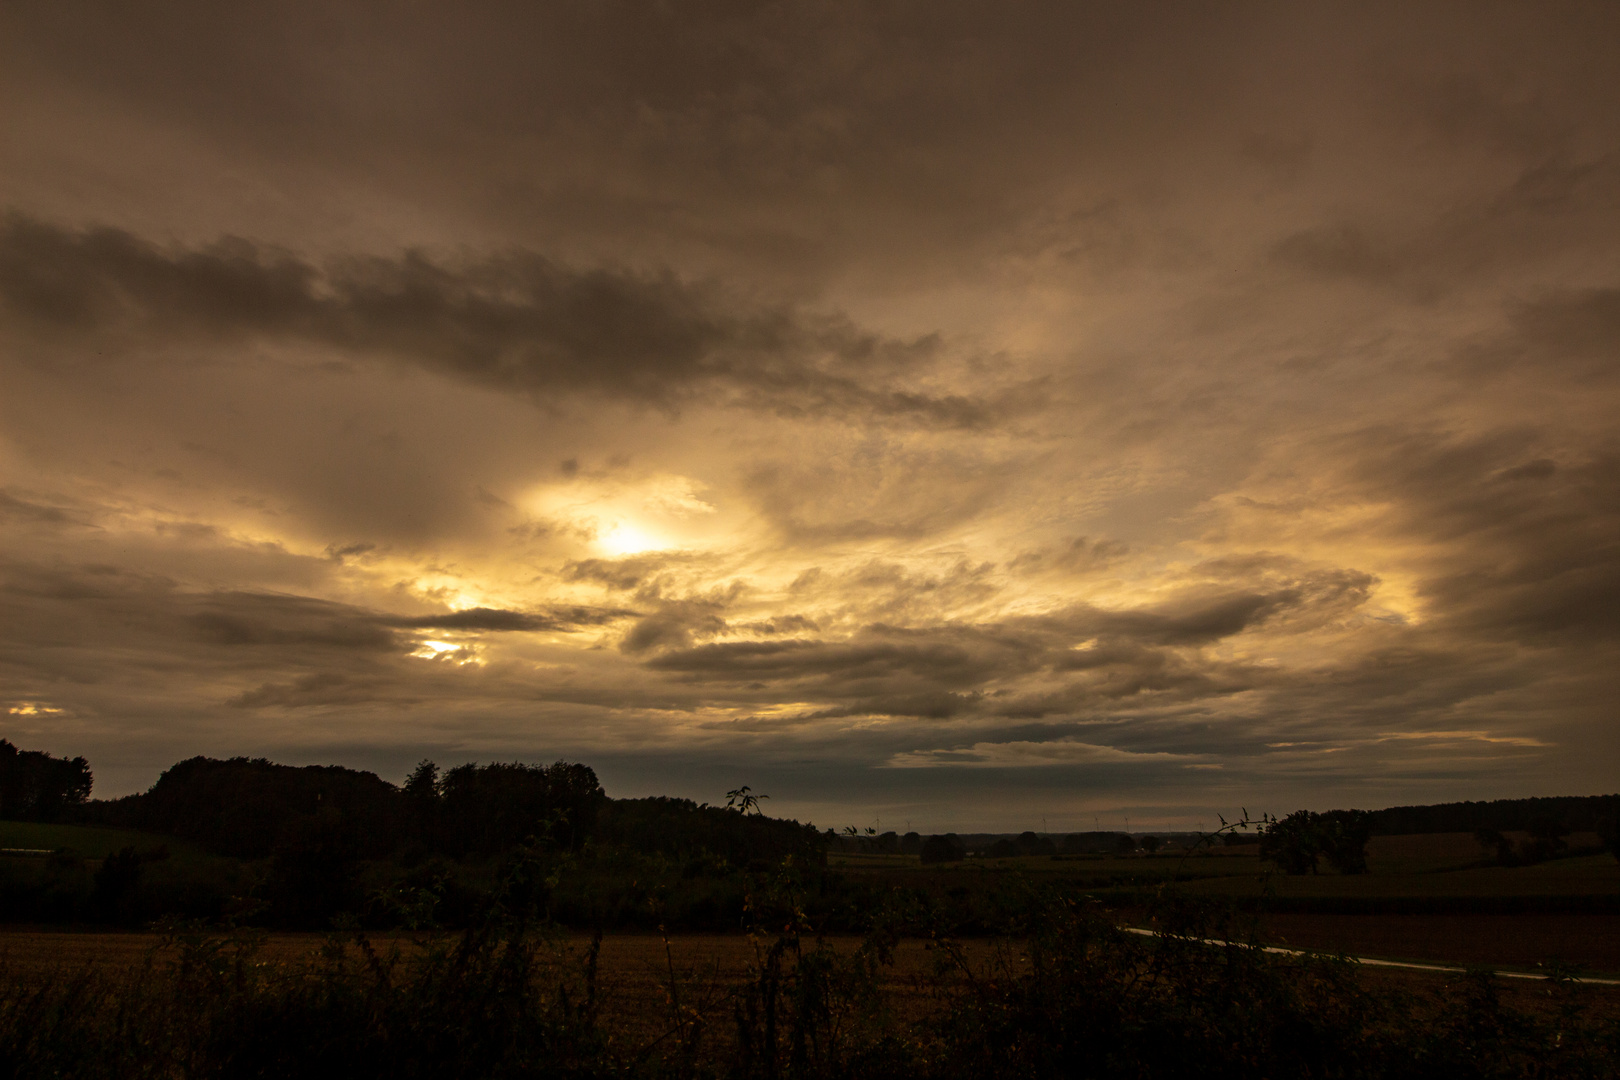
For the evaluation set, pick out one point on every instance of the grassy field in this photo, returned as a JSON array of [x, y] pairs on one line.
[[1427, 898], [638, 971], [92, 843], [1591, 942], [1430, 865], [1435, 869]]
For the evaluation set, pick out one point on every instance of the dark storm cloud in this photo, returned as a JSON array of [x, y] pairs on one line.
[[1531, 545], [883, 655], [619, 574], [1302, 319], [515, 322], [674, 625], [496, 619], [14, 508], [1098, 658], [320, 688], [259, 619], [94, 602]]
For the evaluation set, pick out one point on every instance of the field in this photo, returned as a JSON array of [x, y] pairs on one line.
[[1426, 898], [93, 843], [967, 962]]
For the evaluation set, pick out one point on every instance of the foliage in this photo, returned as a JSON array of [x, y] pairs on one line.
[[486, 809], [1297, 842], [1091, 843], [1547, 834], [1590, 813], [1292, 842], [1061, 992], [744, 801], [681, 829], [35, 786], [250, 807], [938, 849]]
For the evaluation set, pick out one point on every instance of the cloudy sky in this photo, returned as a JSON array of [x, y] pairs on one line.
[[947, 415]]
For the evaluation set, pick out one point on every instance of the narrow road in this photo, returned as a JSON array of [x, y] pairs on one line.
[[1370, 962]]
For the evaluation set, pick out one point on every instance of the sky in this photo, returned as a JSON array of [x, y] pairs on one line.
[[934, 416]]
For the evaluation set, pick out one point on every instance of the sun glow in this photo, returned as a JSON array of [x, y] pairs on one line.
[[622, 538], [430, 650]]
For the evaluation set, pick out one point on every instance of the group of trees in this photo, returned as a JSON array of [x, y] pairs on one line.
[[1579, 813], [35, 786], [250, 807], [1545, 841], [483, 809], [1026, 843], [1098, 843], [302, 844], [1298, 842]]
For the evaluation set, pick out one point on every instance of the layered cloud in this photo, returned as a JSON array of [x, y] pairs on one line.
[[963, 417], [513, 322]]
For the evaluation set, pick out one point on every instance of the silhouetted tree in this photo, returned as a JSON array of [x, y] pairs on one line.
[[490, 808], [247, 807], [1151, 844], [35, 786], [1342, 837], [681, 829], [1090, 842], [947, 848], [1293, 842], [1547, 834], [911, 843], [422, 786]]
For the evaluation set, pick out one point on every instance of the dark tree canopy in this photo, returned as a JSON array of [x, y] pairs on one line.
[[1297, 842], [482, 809], [1091, 843], [35, 786], [682, 829], [947, 848], [248, 807], [1580, 813]]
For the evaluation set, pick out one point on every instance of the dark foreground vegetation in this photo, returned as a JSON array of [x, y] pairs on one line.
[[1061, 993], [449, 902]]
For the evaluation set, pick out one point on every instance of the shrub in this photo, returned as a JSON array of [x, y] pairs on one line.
[[947, 848]]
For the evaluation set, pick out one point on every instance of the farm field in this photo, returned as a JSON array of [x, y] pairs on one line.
[[1435, 867], [91, 842], [636, 972], [1519, 941], [1578, 876]]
